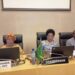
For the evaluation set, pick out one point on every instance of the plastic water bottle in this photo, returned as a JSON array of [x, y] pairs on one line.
[[33, 56]]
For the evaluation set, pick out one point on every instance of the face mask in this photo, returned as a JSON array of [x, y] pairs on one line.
[[10, 42]]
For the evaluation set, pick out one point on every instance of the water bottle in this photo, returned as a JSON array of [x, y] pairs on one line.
[[33, 56]]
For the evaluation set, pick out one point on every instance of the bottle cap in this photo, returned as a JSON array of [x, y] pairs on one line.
[[33, 49]]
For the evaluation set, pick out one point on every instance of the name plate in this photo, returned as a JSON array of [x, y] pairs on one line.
[[5, 63], [55, 60]]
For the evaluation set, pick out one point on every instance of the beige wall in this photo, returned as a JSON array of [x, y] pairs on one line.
[[30, 22]]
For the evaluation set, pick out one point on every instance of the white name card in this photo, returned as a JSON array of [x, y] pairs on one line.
[[5, 64]]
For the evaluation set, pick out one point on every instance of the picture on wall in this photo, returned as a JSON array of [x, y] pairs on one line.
[[36, 4]]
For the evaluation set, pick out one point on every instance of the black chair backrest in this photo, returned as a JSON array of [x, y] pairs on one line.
[[42, 36], [63, 37], [19, 39]]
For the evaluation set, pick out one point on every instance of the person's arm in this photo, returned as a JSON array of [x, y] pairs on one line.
[[56, 44], [1, 41], [43, 44], [22, 53]]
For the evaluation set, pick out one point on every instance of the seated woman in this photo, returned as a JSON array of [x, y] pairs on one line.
[[10, 38], [48, 44]]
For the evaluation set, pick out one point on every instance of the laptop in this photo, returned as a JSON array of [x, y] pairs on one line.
[[9, 53], [63, 51]]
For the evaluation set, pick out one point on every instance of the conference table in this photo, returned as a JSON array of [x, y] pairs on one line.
[[29, 69]]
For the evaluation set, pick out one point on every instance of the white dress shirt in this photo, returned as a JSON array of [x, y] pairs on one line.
[[70, 42]]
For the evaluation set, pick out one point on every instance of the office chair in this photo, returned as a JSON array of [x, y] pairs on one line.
[[19, 39], [40, 36], [63, 37]]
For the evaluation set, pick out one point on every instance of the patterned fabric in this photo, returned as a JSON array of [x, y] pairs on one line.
[[48, 45]]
